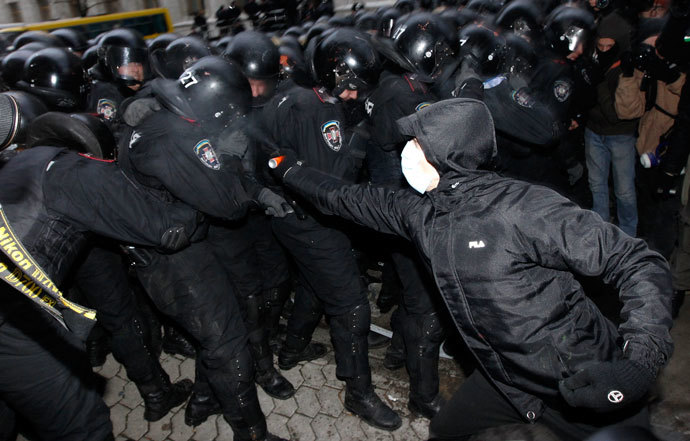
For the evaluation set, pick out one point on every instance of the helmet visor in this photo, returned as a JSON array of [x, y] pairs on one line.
[[575, 36], [130, 65]]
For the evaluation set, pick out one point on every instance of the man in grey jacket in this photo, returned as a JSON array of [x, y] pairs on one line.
[[504, 255]]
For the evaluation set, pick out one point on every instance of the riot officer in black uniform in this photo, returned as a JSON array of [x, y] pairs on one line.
[[177, 153], [417, 330], [49, 199], [313, 123], [122, 68], [171, 60]]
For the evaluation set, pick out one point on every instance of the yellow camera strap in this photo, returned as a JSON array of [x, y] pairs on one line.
[[25, 275]]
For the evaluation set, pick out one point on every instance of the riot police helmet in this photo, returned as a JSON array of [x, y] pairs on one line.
[[519, 16], [162, 41], [255, 53], [212, 92], [459, 18], [89, 57], [57, 77], [346, 60], [405, 6], [367, 22], [428, 43], [72, 39], [485, 46], [520, 56], [123, 56], [12, 66], [178, 56], [43, 37], [485, 6], [387, 20], [567, 29]]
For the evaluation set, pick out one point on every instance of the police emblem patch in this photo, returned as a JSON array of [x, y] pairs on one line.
[[133, 139], [107, 109], [561, 90], [420, 106], [204, 151], [523, 98], [368, 106], [331, 134]]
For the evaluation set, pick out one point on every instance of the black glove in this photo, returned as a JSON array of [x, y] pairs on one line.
[[139, 110], [282, 161], [233, 141], [607, 386], [662, 70], [274, 204], [627, 65]]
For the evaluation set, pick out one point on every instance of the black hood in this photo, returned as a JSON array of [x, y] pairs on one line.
[[455, 135]]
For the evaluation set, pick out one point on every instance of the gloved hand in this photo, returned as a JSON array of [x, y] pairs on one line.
[[468, 69], [274, 204], [233, 141], [662, 70], [282, 161], [607, 386], [139, 109], [627, 64]]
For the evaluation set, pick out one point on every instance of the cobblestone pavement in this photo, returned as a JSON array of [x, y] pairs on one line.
[[316, 411]]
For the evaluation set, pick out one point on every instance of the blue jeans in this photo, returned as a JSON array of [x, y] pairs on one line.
[[616, 152]]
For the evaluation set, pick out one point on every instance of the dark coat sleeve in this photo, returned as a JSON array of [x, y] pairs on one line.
[[96, 196], [555, 233], [378, 208]]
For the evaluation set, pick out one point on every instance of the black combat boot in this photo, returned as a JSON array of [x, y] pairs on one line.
[[349, 335], [175, 342], [304, 319], [676, 302], [423, 336], [272, 382], [160, 395], [200, 407]]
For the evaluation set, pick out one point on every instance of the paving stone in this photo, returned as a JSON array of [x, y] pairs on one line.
[[137, 426], [159, 430], [311, 372], [171, 365], [132, 397], [285, 407], [374, 434], [420, 427], [118, 416], [277, 425], [307, 404], [294, 376], [266, 402], [324, 428], [348, 427], [110, 368], [208, 430], [331, 380], [188, 368], [180, 431], [404, 432], [114, 391], [330, 401], [224, 430], [300, 429]]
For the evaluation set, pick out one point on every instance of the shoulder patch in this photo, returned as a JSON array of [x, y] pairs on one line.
[[562, 90], [133, 139], [204, 151], [369, 106], [523, 98], [331, 134], [107, 109], [422, 105]]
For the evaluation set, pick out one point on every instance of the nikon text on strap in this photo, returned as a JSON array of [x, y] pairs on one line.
[[25, 275]]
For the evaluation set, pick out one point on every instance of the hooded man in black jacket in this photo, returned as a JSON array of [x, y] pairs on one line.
[[504, 255]]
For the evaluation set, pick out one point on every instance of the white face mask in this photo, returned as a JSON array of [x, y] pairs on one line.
[[412, 162]]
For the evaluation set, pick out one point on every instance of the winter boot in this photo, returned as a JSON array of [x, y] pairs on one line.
[[304, 319], [361, 400], [200, 407]]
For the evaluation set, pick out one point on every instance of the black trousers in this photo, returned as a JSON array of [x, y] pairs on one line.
[[325, 261], [478, 406], [192, 288], [47, 380]]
